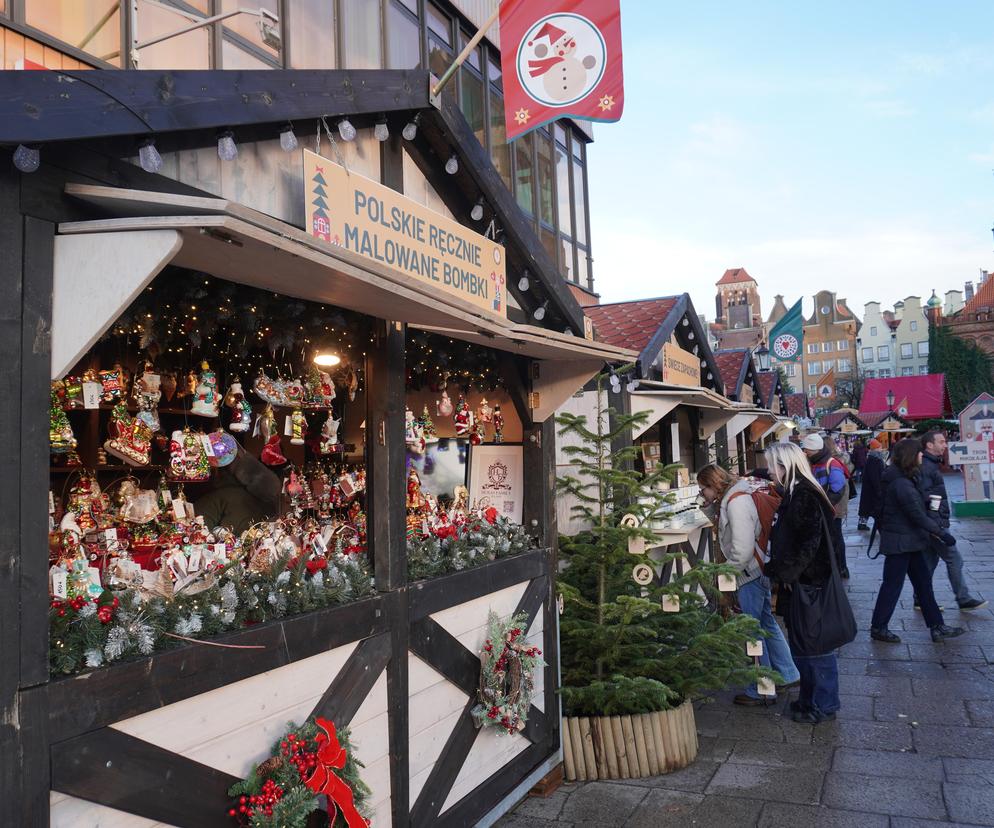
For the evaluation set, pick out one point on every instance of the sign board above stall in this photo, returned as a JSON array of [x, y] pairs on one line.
[[349, 210], [680, 367]]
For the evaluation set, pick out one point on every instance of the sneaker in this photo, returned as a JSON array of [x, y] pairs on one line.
[[919, 606], [789, 685], [810, 717], [972, 604], [863, 526], [887, 636], [746, 700], [942, 632]]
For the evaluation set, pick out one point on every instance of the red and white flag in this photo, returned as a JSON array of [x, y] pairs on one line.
[[560, 58]]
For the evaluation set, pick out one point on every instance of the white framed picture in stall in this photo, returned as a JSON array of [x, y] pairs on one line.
[[497, 478]]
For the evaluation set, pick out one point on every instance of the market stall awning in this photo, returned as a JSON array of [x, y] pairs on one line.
[[234, 242], [659, 398], [739, 423]]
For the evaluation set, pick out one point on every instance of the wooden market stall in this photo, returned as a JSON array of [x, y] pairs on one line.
[[97, 254]]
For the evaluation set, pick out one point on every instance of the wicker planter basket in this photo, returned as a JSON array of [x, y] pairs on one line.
[[627, 747]]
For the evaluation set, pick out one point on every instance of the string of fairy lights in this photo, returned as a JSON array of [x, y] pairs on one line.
[[184, 318]]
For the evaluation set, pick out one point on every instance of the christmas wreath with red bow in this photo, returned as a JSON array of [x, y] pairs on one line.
[[507, 675], [308, 761]]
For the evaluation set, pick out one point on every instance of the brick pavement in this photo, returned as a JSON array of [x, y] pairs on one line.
[[913, 746]]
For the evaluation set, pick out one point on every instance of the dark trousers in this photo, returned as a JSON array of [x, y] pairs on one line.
[[819, 684], [838, 542], [896, 567]]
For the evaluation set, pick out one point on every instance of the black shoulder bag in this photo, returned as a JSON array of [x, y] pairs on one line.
[[819, 618]]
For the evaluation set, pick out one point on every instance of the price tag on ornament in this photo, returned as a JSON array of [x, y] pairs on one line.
[[288, 426], [754, 648], [220, 552], [91, 394], [642, 574], [671, 603], [191, 513], [93, 575], [110, 535], [208, 448], [196, 558], [179, 509], [765, 687], [726, 583], [60, 582], [51, 502]]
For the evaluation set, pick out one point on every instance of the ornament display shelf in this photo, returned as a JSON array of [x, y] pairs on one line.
[[629, 747], [111, 467], [181, 412], [674, 533]]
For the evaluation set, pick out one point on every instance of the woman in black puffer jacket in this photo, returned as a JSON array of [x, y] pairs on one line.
[[801, 552], [906, 531]]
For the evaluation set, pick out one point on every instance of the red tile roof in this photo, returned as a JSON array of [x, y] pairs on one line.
[[630, 324], [871, 419], [983, 298], [832, 419], [927, 396], [734, 276], [797, 404], [767, 382], [730, 368]]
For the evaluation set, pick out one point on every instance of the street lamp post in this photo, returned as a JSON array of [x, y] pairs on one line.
[[890, 400]]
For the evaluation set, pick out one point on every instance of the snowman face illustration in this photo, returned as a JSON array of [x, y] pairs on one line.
[[561, 59]]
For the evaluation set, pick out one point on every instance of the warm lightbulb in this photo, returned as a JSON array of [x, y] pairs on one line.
[[346, 130], [27, 159], [327, 360], [148, 156], [227, 149], [381, 132], [477, 212], [410, 130], [452, 165], [288, 140]]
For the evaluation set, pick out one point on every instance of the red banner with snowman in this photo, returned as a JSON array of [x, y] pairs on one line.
[[560, 58]]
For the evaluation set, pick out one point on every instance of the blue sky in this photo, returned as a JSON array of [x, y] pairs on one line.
[[844, 145]]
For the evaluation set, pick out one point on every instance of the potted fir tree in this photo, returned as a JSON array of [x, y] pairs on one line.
[[633, 657]]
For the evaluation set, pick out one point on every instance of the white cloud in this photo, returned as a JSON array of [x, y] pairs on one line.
[[983, 157]]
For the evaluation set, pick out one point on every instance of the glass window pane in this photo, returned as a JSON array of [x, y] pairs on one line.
[[471, 92], [473, 59], [500, 152], [189, 51], [94, 27], [545, 174], [560, 134], [403, 39], [232, 57], [579, 202], [562, 190], [566, 266], [439, 23], [312, 34], [412, 5], [493, 72], [577, 148], [582, 267], [439, 59], [361, 39], [548, 239], [250, 26], [524, 175]]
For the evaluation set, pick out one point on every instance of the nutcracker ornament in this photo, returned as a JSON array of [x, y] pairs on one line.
[[415, 498], [73, 397], [240, 408], [498, 423], [206, 402], [298, 427]]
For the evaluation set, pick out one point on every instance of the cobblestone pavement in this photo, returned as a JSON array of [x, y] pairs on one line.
[[913, 746]]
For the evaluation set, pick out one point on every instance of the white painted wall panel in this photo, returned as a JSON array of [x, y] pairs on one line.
[[70, 812]]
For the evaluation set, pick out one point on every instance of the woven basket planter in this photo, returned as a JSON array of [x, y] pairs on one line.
[[627, 747]]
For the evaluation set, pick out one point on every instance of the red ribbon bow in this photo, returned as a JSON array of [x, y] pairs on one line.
[[331, 757]]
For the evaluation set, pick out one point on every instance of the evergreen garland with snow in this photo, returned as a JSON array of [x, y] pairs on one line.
[[482, 538]]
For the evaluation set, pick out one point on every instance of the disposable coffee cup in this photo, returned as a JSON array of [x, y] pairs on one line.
[[934, 501]]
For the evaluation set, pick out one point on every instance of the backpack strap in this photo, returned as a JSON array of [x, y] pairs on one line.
[[757, 553]]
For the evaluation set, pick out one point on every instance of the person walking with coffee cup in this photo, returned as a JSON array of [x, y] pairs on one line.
[[933, 489]]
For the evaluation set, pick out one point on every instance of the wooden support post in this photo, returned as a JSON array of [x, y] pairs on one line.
[[11, 240], [721, 444]]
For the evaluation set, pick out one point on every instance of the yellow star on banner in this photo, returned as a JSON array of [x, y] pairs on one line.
[[606, 103], [522, 116]]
